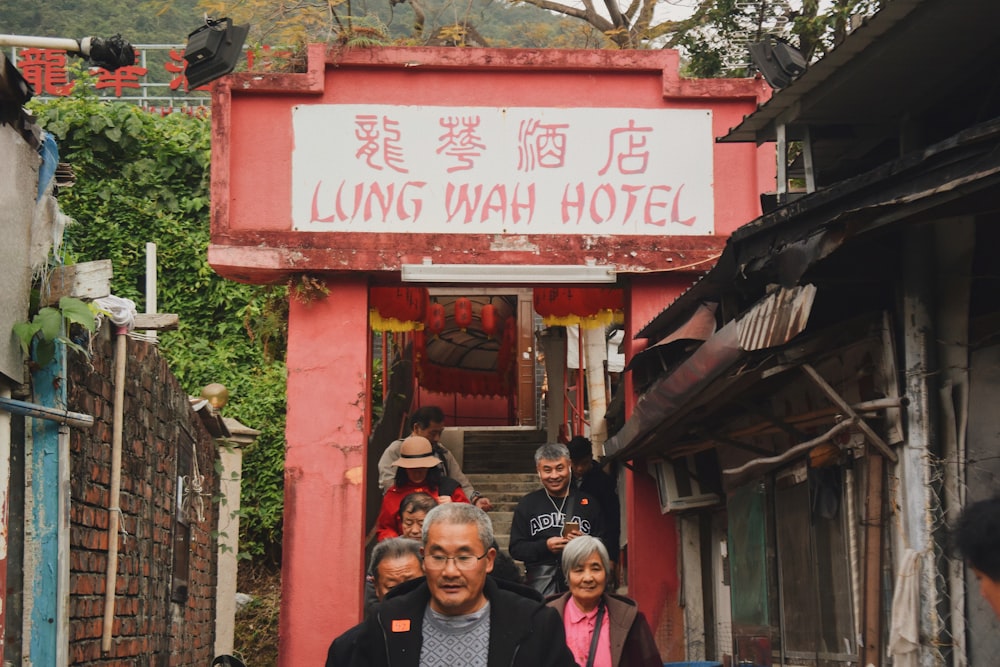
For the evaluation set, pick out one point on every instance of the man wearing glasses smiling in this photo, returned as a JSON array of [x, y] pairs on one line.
[[457, 615]]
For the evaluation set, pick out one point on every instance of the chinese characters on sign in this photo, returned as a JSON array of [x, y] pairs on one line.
[[46, 71], [158, 78], [476, 170]]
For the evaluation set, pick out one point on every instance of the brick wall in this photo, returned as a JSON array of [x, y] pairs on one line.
[[149, 628]]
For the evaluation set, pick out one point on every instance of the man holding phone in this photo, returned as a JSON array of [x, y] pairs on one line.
[[547, 519]]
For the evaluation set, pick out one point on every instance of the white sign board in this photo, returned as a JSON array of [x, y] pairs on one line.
[[489, 170]]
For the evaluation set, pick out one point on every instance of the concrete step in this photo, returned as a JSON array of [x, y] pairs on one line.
[[498, 460], [517, 435], [504, 490], [518, 479], [500, 450]]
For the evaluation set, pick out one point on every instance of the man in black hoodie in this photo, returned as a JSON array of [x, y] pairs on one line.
[[457, 615], [547, 519]]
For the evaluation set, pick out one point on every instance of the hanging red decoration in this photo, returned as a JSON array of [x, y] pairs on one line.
[[488, 319], [501, 382], [435, 318], [397, 308], [588, 307], [463, 312]]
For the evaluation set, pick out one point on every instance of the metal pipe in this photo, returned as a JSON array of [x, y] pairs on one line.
[[792, 452], [114, 511], [30, 42], [151, 285], [44, 412], [595, 349]]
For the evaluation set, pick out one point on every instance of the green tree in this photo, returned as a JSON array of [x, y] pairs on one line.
[[143, 178], [719, 45], [139, 22]]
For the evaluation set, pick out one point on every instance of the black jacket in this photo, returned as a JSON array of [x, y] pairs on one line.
[[523, 631], [602, 486], [535, 520]]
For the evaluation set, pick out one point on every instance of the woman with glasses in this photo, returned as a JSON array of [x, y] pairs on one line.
[[417, 471], [602, 629]]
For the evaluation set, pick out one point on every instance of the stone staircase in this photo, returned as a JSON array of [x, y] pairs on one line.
[[500, 450], [500, 463], [504, 490]]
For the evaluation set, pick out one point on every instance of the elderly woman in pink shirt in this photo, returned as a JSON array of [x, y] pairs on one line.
[[602, 629]]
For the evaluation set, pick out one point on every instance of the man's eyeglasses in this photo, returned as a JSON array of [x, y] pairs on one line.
[[462, 561]]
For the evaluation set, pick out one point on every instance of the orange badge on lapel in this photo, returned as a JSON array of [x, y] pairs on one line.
[[401, 625], [584, 501]]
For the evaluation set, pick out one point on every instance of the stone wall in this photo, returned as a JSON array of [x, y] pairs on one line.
[[158, 620]]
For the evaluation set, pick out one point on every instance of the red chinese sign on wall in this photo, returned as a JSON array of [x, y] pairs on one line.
[[157, 78], [378, 168]]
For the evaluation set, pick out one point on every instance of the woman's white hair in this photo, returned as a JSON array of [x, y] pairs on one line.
[[579, 549]]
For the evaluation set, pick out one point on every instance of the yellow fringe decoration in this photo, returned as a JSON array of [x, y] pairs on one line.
[[599, 320], [379, 323]]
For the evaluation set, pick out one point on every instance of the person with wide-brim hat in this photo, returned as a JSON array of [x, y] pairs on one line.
[[416, 471]]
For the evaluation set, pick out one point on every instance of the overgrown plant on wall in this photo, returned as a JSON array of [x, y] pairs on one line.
[[144, 178]]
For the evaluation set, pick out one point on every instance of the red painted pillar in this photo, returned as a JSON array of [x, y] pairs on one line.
[[652, 536], [323, 546]]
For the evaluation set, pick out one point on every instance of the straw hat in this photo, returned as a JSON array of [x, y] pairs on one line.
[[417, 452]]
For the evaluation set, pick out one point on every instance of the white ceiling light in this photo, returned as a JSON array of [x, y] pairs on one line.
[[507, 274]]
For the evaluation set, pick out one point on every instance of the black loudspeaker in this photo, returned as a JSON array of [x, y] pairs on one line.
[[779, 62], [213, 50]]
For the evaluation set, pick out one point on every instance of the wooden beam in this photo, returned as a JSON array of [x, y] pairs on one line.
[[159, 321], [86, 280], [791, 453], [810, 419], [871, 650], [832, 394]]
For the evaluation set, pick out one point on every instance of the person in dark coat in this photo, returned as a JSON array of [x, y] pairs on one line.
[[457, 615], [589, 477], [977, 537], [623, 635], [546, 520], [393, 562]]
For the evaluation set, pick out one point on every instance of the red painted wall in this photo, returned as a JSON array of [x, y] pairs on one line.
[[652, 536], [251, 163], [327, 430]]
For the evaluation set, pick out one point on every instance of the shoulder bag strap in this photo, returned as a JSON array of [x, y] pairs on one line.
[[596, 635]]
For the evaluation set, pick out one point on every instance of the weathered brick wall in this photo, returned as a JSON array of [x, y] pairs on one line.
[[149, 629]]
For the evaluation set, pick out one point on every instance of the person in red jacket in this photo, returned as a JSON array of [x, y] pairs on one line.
[[416, 471]]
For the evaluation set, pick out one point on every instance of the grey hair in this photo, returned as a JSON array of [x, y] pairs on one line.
[[553, 451], [395, 547], [460, 514], [579, 549]]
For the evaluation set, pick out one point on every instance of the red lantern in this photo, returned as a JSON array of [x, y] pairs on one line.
[[488, 318], [463, 312], [397, 308], [435, 318], [569, 306]]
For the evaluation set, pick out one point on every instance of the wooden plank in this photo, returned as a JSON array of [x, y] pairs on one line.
[[86, 280], [871, 651], [159, 321], [832, 394]]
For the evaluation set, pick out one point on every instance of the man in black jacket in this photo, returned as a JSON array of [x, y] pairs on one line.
[[589, 477], [457, 615], [394, 561], [547, 519]]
